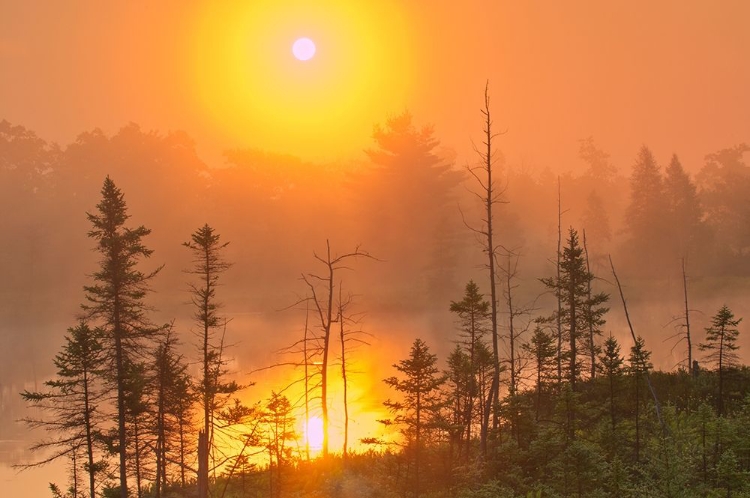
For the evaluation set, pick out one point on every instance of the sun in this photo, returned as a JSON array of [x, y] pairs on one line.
[[317, 74], [314, 433], [303, 49]]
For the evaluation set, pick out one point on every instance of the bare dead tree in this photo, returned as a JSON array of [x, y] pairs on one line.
[[559, 297], [657, 405], [307, 376], [489, 197], [322, 290], [509, 272], [687, 320], [590, 323], [681, 325], [350, 337]]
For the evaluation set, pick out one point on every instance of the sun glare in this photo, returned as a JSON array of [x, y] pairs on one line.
[[253, 88], [314, 433], [304, 49]]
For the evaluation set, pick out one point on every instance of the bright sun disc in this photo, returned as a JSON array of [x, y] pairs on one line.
[[303, 49], [314, 433]]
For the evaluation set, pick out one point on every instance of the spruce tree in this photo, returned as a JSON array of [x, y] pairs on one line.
[[581, 310], [213, 389], [473, 312], [645, 218], [640, 364], [72, 401], [116, 300], [611, 366], [421, 400], [685, 212], [721, 347]]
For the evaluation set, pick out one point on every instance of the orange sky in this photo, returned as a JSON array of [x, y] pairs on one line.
[[671, 74]]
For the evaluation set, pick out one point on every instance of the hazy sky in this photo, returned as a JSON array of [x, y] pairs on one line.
[[671, 74]]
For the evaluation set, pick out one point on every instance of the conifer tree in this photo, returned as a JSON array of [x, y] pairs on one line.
[[721, 347], [580, 308], [72, 401], [611, 365], [541, 347], [421, 400], [473, 313], [685, 211], [213, 388], [640, 364], [117, 300], [170, 381], [645, 214]]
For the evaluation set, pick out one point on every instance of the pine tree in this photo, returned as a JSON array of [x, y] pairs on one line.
[[213, 389], [421, 400], [580, 309], [721, 347], [280, 432], [117, 300], [169, 382], [611, 366], [541, 347], [72, 401], [473, 313], [640, 364], [461, 391]]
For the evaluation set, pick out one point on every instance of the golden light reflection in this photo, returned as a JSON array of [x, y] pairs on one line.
[[250, 84], [314, 434]]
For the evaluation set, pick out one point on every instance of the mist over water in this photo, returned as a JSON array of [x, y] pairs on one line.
[[628, 122]]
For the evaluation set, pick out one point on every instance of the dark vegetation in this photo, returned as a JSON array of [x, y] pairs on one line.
[[538, 395]]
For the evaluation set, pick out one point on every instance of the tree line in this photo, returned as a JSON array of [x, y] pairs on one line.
[[549, 408]]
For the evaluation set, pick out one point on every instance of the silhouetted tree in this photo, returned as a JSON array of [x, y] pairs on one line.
[[72, 401], [473, 313], [489, 196], [279, 423], [639, 366], [461, 389], [721, 344], [213, 390], [117, 298], [611, 366], [322, 290], [541, 348], [580, 309], [421, 400], [169, 384], [593, 317]]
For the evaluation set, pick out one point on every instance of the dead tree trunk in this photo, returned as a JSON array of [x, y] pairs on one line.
[[559, 296], [343, 374], [324, 307], [657, 405], [690, 368], [592, 331]]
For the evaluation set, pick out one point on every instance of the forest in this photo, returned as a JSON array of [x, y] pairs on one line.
[[496, 300]]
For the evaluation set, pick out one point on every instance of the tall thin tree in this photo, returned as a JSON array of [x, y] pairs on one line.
[[72, 401], [117, 299], [208, 265], [490, 196], [323, 303]]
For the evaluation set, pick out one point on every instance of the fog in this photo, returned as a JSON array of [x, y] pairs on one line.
[[95, 89]]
